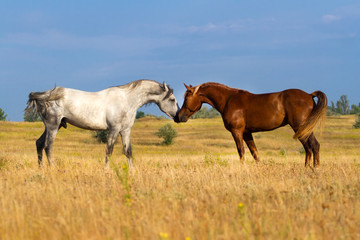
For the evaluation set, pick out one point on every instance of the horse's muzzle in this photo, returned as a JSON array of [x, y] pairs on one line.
[[179, 119], [176, 118]]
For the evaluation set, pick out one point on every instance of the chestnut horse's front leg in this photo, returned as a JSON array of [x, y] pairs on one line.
[[238, 137], [251, 145]]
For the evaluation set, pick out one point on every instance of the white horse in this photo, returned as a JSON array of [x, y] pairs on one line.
[[111, 109]]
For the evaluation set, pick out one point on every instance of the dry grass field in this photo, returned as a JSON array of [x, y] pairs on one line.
[[194, 189]]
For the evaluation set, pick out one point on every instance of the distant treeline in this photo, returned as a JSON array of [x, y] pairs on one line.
[[204, 112], [342, 107], [141, 114]]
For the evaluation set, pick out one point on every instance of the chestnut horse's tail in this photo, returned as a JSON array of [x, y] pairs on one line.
[[317, 114]]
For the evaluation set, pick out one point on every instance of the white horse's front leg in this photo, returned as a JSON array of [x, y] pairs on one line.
[[125, 138], [111, 139]]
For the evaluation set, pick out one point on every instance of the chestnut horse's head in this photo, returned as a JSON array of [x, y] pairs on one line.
[[192, 103]]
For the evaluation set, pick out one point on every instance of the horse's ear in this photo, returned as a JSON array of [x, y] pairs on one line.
[[187, 87], [165, 86]]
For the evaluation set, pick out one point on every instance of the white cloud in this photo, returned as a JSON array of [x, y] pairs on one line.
[[216, 27], [329, 18], [237, 25], [210, 27]]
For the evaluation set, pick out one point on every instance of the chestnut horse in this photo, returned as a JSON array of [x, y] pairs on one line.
[[244, 113]]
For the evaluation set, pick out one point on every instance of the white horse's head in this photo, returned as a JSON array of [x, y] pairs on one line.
[[167, 101]]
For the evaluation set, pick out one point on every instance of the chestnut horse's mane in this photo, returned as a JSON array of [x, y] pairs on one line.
[[214, 84]]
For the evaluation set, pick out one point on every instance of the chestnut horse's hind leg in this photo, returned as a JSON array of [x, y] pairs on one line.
[[251, 145], [312, 147], [308, 151], [40, 145], [238, 137], [315, 146]]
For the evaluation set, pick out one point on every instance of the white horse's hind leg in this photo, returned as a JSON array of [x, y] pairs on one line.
[[50, 138], [112, 136], [125, 138], [40, 145]]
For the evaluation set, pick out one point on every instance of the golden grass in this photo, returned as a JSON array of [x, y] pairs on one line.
[[196, 188]]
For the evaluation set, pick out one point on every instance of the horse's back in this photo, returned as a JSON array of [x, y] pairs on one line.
[[296, 94], [75, 93], [94, 98], [77, 99], [286, 98]]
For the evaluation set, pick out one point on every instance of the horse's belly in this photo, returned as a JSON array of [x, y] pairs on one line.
[[265, 123], [87, 119], [86, 124]]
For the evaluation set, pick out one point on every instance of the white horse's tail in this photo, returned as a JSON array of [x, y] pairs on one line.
[[38, 101]]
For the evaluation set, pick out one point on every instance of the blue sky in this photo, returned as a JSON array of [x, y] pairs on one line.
[[259, 46]]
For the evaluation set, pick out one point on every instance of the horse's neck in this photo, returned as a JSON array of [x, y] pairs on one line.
[[216, 96], [140, 96]]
